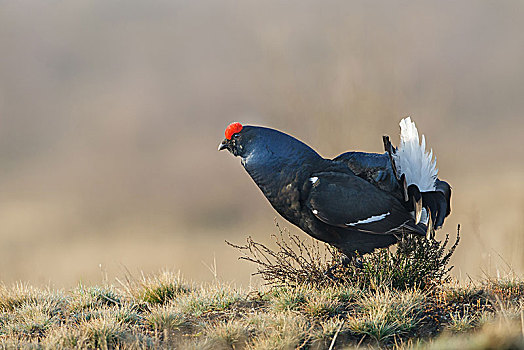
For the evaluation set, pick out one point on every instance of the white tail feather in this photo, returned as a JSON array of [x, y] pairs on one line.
[[412, 159]]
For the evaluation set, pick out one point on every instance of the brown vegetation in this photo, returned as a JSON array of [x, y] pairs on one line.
[[382, 307]]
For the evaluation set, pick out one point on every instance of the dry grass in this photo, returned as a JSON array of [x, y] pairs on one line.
[[301, 316], [396, 299]]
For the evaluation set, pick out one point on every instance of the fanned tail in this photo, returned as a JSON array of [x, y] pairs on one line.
[[412, 159], [416, 170]]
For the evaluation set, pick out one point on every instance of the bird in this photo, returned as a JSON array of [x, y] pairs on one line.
[[356, 202]]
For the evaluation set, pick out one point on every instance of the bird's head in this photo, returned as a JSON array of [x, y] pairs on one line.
[[236, 139], [262, 146]]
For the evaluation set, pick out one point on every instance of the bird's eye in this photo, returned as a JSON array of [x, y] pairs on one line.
[[236, 136]]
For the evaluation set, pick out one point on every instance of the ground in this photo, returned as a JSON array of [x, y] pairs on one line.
[[398, 299]]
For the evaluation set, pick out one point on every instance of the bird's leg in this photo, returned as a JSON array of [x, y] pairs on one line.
[[343, 262], [346, 261], [352, 259], [329, 272]]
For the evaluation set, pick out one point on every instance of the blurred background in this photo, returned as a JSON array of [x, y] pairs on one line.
[[111, 113]]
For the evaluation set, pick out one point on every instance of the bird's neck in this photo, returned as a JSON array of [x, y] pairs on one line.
[[280, 172]]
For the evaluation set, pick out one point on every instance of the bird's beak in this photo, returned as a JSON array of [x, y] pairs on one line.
[[223, 145]]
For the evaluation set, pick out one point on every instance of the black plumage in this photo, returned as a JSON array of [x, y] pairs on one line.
[[355, 202]]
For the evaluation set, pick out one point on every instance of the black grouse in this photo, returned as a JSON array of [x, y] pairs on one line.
[[357, 201]]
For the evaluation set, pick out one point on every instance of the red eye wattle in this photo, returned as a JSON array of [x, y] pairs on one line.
[[232, 129]]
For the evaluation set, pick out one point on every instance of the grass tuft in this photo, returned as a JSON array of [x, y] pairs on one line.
[[11, 298], [459, 323], [230, 334], [208, 300], [322, 303], [92, 297], [160, 289], [105, 332], [165, 318], [283, 330], [387, 314], [283, 299]]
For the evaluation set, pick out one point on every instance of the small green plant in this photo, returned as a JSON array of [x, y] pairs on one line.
[[415, 263]]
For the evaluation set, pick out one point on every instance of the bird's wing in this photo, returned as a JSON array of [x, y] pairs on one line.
[[375, 168], [345, 200]]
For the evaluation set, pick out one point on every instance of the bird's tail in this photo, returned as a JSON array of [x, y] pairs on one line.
[[412, 159], [416, 170]]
